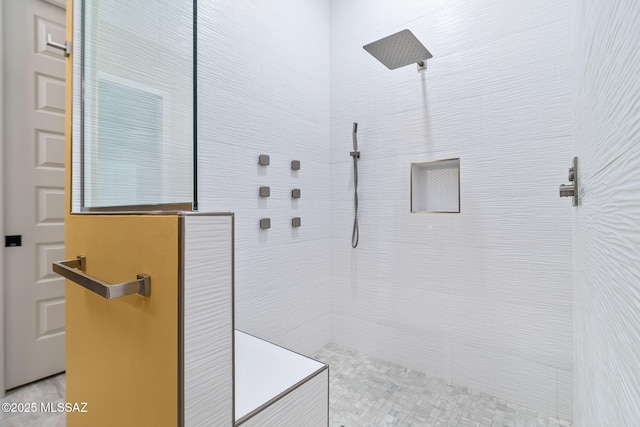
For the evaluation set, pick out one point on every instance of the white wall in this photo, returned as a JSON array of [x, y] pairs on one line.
[[207, 310], [2, 143], [482, 298], [607, 260], [263, 88]]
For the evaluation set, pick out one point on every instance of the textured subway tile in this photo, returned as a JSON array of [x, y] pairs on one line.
[[307, 21], [497, 97], [524, 382], [539, 333], [264, 89], [216, 164], [519, 63], [565, 394], [422, 352], [488, 97], [533, 14], [473, 25], [605, 102], [354, 332], [309, 336]]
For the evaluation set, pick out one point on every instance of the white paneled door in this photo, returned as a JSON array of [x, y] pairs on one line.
[[34, 107]]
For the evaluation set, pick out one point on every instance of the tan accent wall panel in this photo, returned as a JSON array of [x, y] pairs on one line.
[[122, 353]]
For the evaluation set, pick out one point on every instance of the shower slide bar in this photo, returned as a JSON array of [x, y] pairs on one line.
[[355, 235], [73, 270]]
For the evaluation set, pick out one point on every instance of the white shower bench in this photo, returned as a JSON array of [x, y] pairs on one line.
[[276, 386]]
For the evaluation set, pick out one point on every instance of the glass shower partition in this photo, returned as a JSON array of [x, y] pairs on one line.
[[137, 147]]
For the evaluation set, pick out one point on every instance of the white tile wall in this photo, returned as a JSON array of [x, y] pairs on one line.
[[306, 405], [482, 298], [208, 319], [606, 91], [264, 89], [458, 296]]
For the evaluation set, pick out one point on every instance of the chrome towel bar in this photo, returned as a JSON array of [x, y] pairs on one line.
[[73, 270]]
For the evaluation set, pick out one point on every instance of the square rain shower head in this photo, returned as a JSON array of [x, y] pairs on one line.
[[398, 50]]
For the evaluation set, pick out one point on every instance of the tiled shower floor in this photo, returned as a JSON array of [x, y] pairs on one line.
[[363, 392], [369, 392]]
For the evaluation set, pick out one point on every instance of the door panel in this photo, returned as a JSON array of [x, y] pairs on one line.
[[34, 190], [124, 350]]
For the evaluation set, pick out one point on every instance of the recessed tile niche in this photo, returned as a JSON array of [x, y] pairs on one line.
[[435, 186]]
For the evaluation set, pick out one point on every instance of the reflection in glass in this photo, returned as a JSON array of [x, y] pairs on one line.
[[138, 103]]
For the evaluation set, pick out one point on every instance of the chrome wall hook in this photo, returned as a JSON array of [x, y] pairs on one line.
[[66, 47]]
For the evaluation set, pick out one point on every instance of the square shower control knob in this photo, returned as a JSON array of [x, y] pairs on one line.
[[295, 165], [263, 160], [295, 193], [265, 223], [265, 191]]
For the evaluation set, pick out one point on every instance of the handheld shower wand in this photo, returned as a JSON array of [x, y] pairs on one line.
[[354, 136], [355, 236]]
